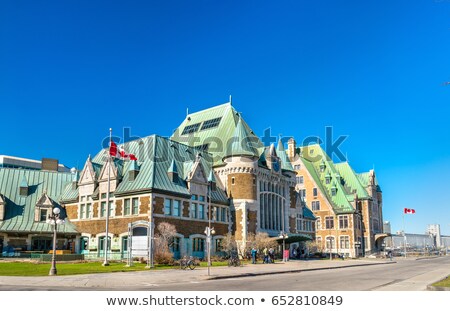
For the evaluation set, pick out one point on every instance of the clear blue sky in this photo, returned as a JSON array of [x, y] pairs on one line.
[[374, 70]]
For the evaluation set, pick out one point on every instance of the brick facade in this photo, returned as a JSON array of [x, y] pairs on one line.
[[244, 186]]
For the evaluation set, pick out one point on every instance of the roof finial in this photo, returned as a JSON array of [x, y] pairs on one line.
[[231, 101]]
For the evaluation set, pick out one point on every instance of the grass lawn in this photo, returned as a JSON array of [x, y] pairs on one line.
[[443, 283], [42, 269]]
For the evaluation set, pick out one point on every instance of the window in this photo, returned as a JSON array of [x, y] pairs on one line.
[[331, 243], [315, 205], [126, 207], [103, 209], [327, 180], [343, 222], [82, 210], [297, 167], [201, 211], [210, 123], [198, 245], [344, 242], [191, 129], [299, 179], [329, 222], [302, 193], [193, 211], [135, 206], [43, 215], [318, 223], [176, 208], [314, 192], [232, 180], [201, 198], [167, 207], [333, 191], [88, 210]]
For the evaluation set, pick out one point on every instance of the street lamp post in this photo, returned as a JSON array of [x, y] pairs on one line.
[[54, 220], [209, 232], [284, 236]]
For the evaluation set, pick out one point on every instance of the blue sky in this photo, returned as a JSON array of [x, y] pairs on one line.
[[374, 70]]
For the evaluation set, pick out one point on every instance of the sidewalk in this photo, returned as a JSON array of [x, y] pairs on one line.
[[124, 280]]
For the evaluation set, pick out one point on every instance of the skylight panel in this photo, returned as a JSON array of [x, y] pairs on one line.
[[191, 129], [210, 123]]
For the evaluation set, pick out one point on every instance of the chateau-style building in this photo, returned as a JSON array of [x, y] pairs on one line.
[[347, 205]]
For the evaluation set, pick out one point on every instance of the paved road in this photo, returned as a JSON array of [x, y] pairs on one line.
[[405, 275]]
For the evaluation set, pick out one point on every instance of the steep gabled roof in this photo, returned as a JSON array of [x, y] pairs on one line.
[[350, 181], [20, 210], [214, 126], [157, 156], [313, 156]]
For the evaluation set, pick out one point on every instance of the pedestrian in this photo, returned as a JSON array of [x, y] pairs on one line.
[[266, 255], [271, 255], [254, 252]]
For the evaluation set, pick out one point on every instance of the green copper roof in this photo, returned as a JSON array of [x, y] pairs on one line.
[[134, 166], [173, 167], [24, 183], [157, 156], [313, 158], [307, 213], [211, 177], [19, 214], [204, 128], [242, 145], [285, 162], [364, 179], [350, 181]]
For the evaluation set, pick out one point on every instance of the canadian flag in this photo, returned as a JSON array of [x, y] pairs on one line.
[[409, 211], [125, 155], [112, 149]]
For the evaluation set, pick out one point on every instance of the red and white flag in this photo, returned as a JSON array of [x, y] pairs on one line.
[[112, 149], [409, 211], [125, 155]]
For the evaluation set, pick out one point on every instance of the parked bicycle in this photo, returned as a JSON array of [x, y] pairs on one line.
[[187, 262], [234, 262]]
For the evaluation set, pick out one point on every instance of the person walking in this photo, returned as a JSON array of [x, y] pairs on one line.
[[271, 255], [266, 255], [254, 252]]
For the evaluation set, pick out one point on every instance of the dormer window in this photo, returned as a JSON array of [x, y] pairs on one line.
[[333, 190], [328, 178], [23, 187], [322, 166]]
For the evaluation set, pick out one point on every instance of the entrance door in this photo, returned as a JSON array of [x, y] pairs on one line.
[[139, 242], [101, 246]]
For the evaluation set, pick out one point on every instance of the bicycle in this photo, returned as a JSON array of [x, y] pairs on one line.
[[185, 263], [234, 262]]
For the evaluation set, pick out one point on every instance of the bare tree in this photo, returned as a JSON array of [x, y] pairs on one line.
[[163, 241]]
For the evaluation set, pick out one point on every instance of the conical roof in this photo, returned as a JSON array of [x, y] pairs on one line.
[[243, 143]]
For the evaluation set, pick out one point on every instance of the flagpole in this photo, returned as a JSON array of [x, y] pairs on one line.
[[404, 233], [106, 263]]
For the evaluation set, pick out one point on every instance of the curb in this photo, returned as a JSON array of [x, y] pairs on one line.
[[438, 288], [221, 277]]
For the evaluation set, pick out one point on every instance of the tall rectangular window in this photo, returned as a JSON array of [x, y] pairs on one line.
[[103, 209], [127, 207], [88, 210], [176, 208], [343, 222], [135, 206], [198, 245], [318, 223], [201, 211], [193, 211], [315, 205], [224, 214], [344, 242], [331, 243], [329, 222], [167, 207], [314, 192], [82, 210]]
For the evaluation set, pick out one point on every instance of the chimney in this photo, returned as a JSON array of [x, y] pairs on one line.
[[291, 148]]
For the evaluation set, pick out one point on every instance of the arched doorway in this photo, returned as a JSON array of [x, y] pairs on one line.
[[140, 241]]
